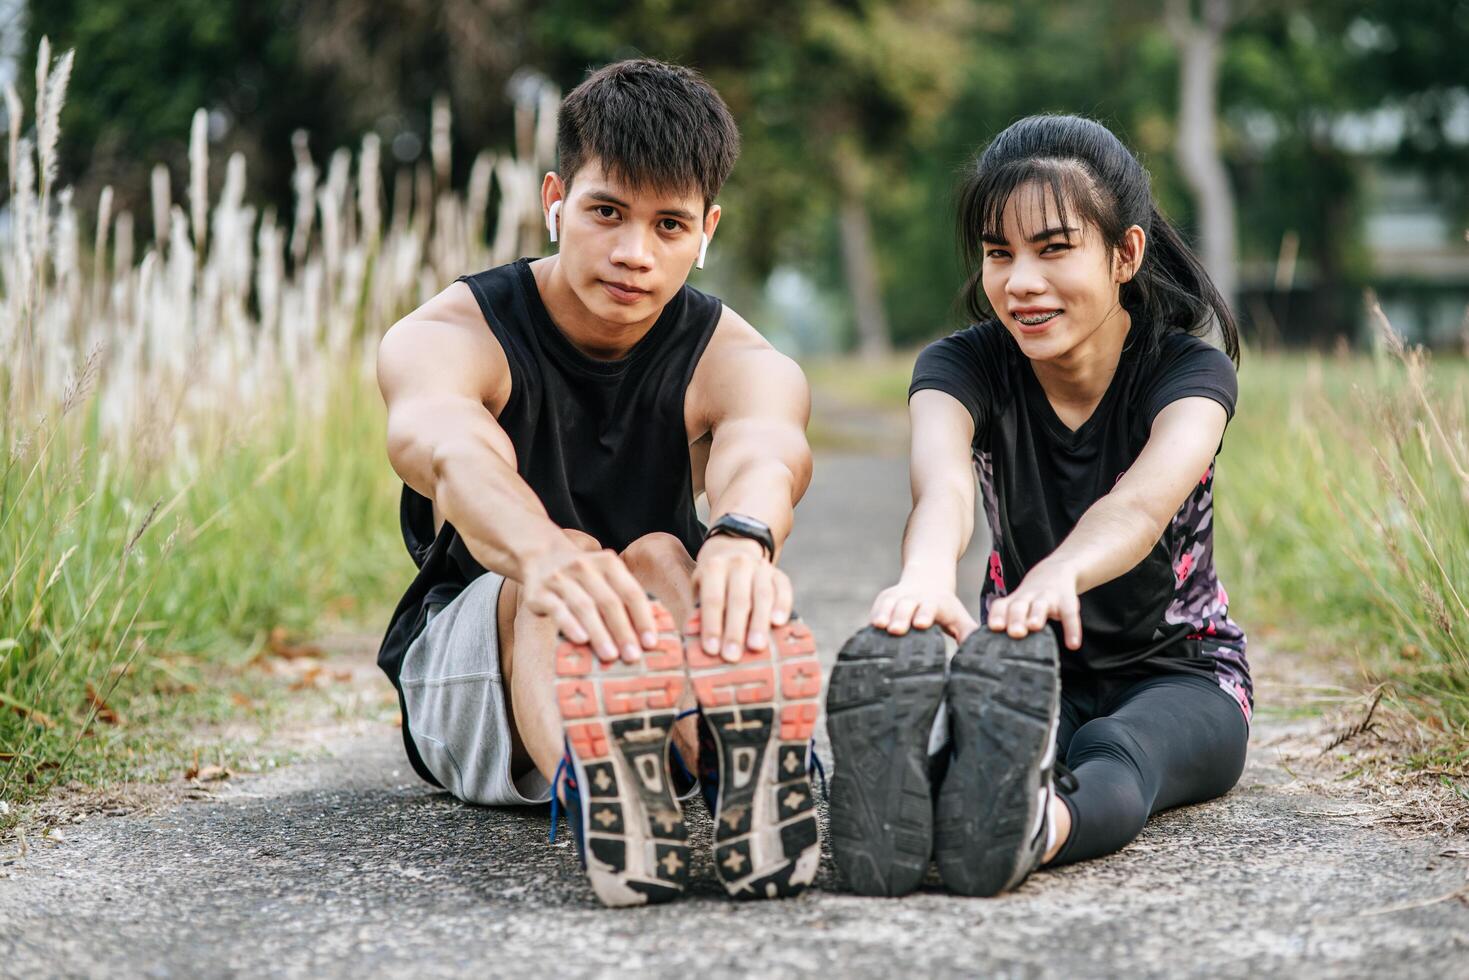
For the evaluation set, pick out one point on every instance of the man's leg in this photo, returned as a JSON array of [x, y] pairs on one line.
[[528, 643]]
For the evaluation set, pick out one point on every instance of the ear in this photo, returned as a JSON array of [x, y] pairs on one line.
[[1127, 258], [711, 221], [553, 189]]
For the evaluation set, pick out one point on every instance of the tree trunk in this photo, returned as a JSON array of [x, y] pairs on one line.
[[1197, 149], [859, 258]]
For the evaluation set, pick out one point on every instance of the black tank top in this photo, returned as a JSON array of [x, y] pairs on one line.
[[602, 443]]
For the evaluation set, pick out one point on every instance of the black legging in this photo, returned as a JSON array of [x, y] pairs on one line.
[[1138, 746]]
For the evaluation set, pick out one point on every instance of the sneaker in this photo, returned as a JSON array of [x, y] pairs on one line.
[[880, 707], [992, 818], [757, 716], [620, 792]]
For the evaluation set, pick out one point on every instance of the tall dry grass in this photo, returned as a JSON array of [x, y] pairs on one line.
[[192, 439]]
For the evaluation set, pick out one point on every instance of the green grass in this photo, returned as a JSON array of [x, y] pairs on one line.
[[149, 593]]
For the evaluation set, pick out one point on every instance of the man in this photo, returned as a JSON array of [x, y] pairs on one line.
[[553, 421]]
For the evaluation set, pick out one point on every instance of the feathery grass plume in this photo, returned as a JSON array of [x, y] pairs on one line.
[[199, 178], [66, 257], [519, 202], [99, 250], [13, 112], [24, 214], [478, 199], [440, 144], [423, 201], [48, 123], [43, 66], [370, 190], [122, 265], [546, 110], [303, 183], [332, 201], [162, 204]]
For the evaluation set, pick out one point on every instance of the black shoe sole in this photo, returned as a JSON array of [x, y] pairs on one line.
[[1003, 705], [880, 705]]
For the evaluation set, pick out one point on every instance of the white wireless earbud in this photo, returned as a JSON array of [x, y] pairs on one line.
[[551, 216], [703, 250]]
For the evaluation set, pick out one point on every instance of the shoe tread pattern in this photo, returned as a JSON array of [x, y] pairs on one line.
[[884, 693], [761, 711], [617, 718], [1003, 703]]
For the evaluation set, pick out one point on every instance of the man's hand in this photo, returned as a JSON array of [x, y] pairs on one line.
[[920, 601], [740, 596], [593, 598], [1048, 592]]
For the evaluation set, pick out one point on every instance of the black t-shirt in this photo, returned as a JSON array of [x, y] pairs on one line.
[[1038, 477]]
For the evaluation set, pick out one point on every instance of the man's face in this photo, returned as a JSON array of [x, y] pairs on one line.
[[626, 252]]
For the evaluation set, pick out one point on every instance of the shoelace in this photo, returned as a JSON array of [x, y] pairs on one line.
[[562, 771], [820, 771]]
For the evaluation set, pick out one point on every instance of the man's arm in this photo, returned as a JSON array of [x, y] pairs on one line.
[[757, 404], [442, 373]]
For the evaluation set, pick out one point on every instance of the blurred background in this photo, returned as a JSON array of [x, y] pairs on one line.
[[1314, 147], [213, 208]]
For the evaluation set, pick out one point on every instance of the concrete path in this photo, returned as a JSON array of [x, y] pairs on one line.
[[349, 867]]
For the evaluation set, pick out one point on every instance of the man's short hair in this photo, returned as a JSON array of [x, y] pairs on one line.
[[651, 125]]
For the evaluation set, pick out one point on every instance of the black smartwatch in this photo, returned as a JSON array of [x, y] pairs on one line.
[[740, 526]]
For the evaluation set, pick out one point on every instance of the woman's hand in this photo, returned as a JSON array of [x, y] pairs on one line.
[[920, 602], [1048, 592]]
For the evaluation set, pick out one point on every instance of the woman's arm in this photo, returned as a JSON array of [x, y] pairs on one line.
[[1121, 528], [940, 524]]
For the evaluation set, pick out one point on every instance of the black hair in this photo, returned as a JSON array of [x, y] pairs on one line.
[[1087, 170], [651, 125]]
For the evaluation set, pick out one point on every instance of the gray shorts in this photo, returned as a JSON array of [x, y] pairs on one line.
[[455, 700]]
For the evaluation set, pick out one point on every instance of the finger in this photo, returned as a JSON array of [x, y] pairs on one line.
[[737, 597], [635, 600], [923, 617], [1039, 613], [566, 623], [762, 600], [999, 610], [785, 598], [711, 607], [882, 609], [1015, 617], [1071, 622], [902, 616], [584, 608], [613, 612], [548, 603]]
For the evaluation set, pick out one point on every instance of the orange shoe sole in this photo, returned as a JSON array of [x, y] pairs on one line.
[[617, 718], [762, 711]]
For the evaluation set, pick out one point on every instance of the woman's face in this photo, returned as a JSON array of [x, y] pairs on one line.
[[1052, 287]]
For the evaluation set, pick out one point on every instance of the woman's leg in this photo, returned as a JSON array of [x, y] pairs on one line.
[[1166, 741]]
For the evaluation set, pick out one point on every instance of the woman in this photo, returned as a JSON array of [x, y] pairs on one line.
[[1092, 411]]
